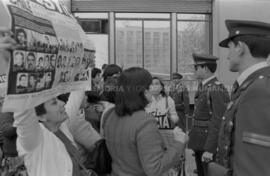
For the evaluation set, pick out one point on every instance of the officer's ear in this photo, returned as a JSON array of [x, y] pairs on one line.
[[240, 48]]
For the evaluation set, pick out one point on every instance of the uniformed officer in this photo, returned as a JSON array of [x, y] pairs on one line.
[[210, 104], [244, 142], [179, 94]]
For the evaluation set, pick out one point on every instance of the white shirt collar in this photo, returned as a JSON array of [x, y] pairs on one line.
[[208, 79], [245, 74]]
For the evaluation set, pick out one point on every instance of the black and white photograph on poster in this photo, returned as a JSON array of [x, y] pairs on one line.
[[30, 61], [50, 44], [18, 60], [22, 83], [52, 62], [40, 61], [65, 76], [48, 80], [21, 37], [51, 47], [73, 62], [40, 82], [64, 62], [31, 40], [38, 41], [46, 62], [82, 76], [32, 82], [59, 62]]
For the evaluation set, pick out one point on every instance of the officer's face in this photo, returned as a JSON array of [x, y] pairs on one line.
[[199, 71], [233, 57]]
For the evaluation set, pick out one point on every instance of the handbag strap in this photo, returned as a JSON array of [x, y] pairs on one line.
[[73, 152]]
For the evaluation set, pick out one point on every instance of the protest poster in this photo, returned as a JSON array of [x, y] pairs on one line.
[[50, 58]]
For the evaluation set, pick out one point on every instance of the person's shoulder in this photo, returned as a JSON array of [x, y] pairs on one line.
[[216, 86], [260, 85], [142, 119]]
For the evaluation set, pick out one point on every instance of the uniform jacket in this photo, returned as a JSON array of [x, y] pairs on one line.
[[210, 105], [244, 142], [179, 94]]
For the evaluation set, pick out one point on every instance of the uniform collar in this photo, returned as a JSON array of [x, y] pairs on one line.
[[208, 79], [243, 76]]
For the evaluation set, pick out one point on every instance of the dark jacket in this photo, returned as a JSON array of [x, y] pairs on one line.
[[210, 105], [244, 142], [9, 134], [179, 94]]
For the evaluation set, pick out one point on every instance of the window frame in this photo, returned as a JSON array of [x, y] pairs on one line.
[[143, 32]]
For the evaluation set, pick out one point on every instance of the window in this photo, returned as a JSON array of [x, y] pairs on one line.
[[157, 48], [146, 42], [128, 43], [192, 37], [96, 26]]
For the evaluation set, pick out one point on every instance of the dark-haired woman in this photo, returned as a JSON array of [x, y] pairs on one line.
[[161, 104], [132, 136], [162, 108]]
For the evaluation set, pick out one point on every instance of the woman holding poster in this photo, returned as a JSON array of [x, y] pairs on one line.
[[44, 137]]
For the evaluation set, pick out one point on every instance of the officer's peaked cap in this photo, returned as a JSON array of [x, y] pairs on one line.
[[243, 27], [177, 76], [201, 59]]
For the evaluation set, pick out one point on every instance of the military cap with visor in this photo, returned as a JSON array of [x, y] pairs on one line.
[[244, 27], [202, 59], [177, 76]]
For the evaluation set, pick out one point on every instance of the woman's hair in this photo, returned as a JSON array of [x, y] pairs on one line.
[[110, 88], [94, 72], [40, 109], [130, 97], [111, 70], [162, 92]]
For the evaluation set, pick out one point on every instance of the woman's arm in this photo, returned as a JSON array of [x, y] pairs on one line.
[[82, 131], [171, 108], [28, 129]]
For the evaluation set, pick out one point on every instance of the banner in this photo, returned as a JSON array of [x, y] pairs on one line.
[[52, 56]]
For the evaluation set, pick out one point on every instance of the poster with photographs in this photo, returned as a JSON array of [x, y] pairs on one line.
[[52, 56]]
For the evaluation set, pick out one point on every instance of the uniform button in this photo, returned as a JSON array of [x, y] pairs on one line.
[[230, 123], [206, 131], [223, 118], [217, 149], [226, 147]]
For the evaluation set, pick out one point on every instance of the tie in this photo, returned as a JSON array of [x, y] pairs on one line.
[[200, 86], [235, 86], [234, 89]]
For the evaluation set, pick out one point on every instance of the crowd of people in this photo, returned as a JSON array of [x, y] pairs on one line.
[[144, 125]]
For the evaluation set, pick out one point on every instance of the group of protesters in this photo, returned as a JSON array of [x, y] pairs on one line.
[[124, 107]]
